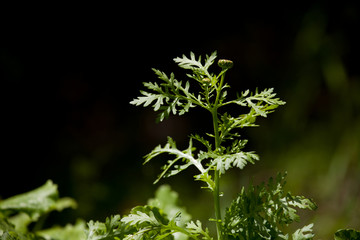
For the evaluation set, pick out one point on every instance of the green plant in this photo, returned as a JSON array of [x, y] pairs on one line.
[[258, 212], [22, 216]]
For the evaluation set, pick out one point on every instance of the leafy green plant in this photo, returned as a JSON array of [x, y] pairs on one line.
[[19, 212], [258, 212]]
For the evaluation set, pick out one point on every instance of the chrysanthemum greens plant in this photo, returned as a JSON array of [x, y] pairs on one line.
[[258, 212]]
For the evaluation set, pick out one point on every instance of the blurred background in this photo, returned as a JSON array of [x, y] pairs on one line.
[[68, 74]]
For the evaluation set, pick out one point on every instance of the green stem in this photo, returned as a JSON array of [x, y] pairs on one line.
[[216, 193]]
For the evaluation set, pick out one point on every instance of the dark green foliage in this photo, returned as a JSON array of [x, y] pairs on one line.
[[258, 212], [262, 212], [112, 228], [17, 212], [347, 234]]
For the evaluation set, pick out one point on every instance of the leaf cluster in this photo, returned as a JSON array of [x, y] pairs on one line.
[[172, 96], [258, 212], [172, 222], [262, 212], [18, 212]]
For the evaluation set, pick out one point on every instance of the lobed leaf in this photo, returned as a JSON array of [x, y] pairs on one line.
[[195, 228], [195, 64], [262, 212], [113, 228], [37, 202], [304, 233], [172, 167], [239, 160], [169, 97]]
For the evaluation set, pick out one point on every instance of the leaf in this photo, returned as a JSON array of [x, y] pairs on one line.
[[206, 177], [347, 234], [240, 159], [261, 104], [167, 200], [195, 228], [266, 96], [37, 202], [112, 228], [262, 212], [139, 217], [6, 228], [172, 167], [22, 209], [202, 140], [210, 59], [195, 64], [150, 222], [304, 233], [189, 63], [69, 232], [169, 96]]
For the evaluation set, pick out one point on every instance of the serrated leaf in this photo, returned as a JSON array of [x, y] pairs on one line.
[[170, 148], [262, 212], [195, 64], [304, 233], [170, 97], [195, 228], [167, 200], [112, 228], [206, 177], [140, 217], [202, 140], [188, 63], [239, 160]]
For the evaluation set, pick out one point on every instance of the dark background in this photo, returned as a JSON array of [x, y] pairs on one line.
[[68, 74]]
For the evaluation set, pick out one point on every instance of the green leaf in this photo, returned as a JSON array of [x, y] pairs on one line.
[[9, 232], [239, 160], [6, 226], [304, 233], [139, 217], [169, 97], [149, 222], [172, 167], [195, 228], [168, 200], [195, 64], [202, 140], [347, 234], [206, 177], [261, 104], [34, 203], [37, 202], [262, 212], [69, 232], [267, 97], [112, 228]]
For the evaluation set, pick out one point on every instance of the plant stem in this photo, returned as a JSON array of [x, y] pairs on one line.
[[216, 193]]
